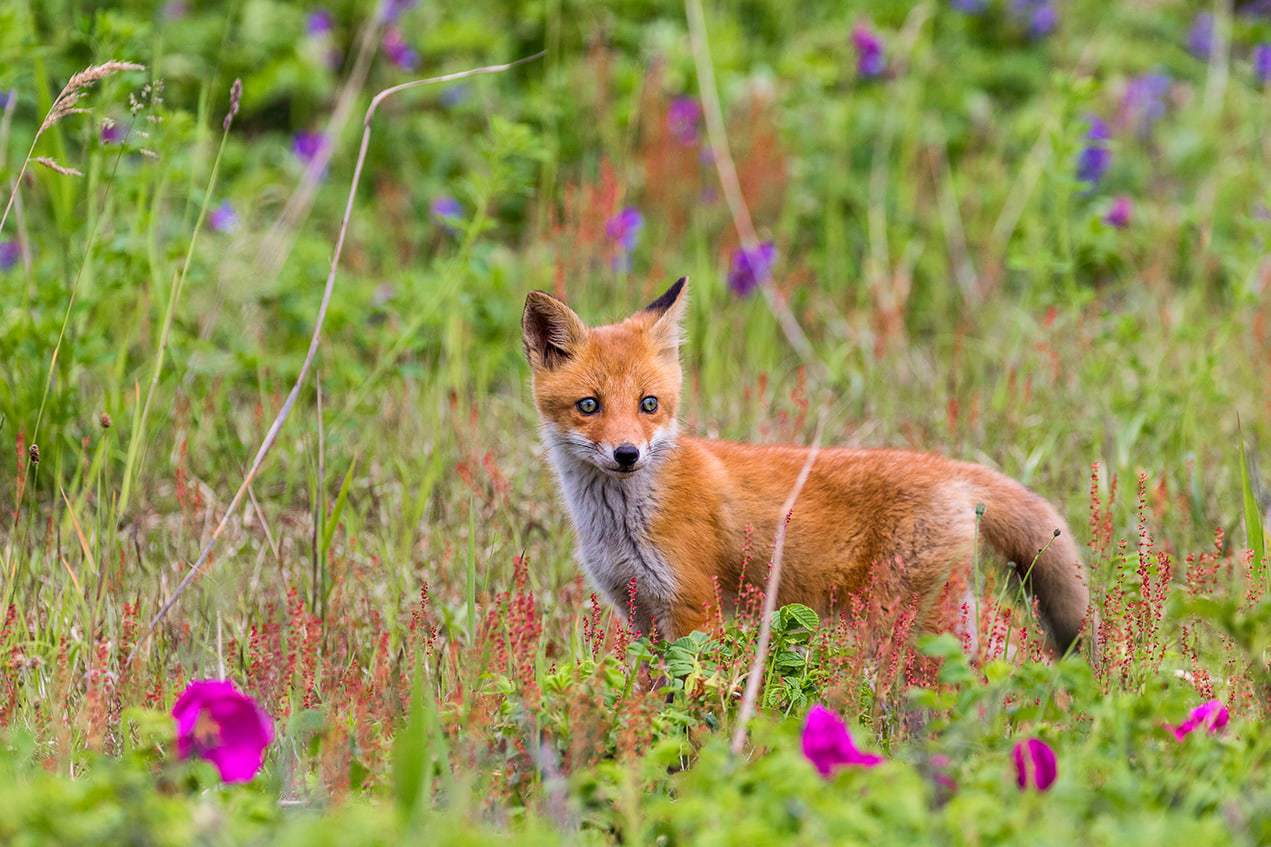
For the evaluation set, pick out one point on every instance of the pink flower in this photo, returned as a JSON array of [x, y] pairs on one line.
[[217, 722], [827, 743], [1212, 715], [1119, 215], [1035, 765]]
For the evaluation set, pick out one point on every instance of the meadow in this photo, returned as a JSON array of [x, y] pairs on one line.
[[1028, 233]]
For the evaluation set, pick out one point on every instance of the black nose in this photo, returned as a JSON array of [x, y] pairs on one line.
[[626, 455]]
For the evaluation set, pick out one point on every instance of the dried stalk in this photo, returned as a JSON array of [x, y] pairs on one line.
[[770, 597]]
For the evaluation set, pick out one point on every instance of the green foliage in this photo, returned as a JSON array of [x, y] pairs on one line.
[[399, 590]]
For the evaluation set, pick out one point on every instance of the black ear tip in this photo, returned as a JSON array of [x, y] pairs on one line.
[[668, 298]]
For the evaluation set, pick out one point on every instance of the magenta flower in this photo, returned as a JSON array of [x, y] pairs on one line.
[[682, 119], [751, 268], [1119, 215], [1262, 63], [827, 744], [870, 61], [111, 132], [217, 722], [1212, 715], [1035, 765], [223, 218], [9, 254], [398, 51]]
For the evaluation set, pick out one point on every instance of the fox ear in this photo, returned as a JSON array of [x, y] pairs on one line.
[[551, 331], [667, 315]]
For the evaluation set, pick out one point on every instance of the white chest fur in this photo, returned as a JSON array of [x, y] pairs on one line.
[[611, 517]]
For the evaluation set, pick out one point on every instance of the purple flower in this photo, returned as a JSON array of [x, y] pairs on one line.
[[9, 254], [111, 132], [394, 9], [1200, 38], [682, 119], [320, 22], [217, 722], [1119, 215], [307, 145], [174, 10], [445, 210], [223, 218], [1098, 129], [751, 268], [1093, 163], [1212, 715], [1035, 765], [1262, 63], [454, 95], [828, 745], [1143, 103], [624, 228], [971, 7], [1039, 16], [398, 51], [870, 61]]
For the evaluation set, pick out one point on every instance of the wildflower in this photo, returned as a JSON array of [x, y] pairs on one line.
[[1035, 765], [623, 231], [223, 218], [827, 744], [1212, 715], [870, 61], [446, 212], [939, 766], [111, 132], [1039, 16], [1262, 63], [1143, 103], [454, 95], [751, 268], [175, 10], [320, 22], [394, 9], [307, 145], [1093, 161], [1119, 215], [398, 51], [1200, 38], [217, 722], [9, 254], [682, 119]]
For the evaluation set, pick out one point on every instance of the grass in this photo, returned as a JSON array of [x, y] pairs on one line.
[[397, 588]]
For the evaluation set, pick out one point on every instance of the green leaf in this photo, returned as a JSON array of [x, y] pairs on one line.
[[1253, 518], [800, 615]]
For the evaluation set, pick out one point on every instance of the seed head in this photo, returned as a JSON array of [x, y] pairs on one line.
[[104, 420], [235, 98], [33, 453]]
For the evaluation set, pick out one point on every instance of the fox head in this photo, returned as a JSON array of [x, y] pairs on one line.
[[607, 395]]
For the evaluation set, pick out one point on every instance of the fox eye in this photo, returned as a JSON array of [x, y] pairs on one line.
[[588, 405], [649, 404]]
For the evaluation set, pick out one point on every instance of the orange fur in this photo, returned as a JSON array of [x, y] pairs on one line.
[[684, 513]]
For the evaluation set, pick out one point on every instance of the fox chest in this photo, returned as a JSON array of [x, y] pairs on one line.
[[612, 519]]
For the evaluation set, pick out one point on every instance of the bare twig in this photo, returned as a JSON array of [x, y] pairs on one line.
[[727, 171], [770, 597], [272, 435]]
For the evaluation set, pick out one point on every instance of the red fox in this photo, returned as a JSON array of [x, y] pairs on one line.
[[674, 512]]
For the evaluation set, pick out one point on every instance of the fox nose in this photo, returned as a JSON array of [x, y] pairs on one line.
[[626, 455]]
